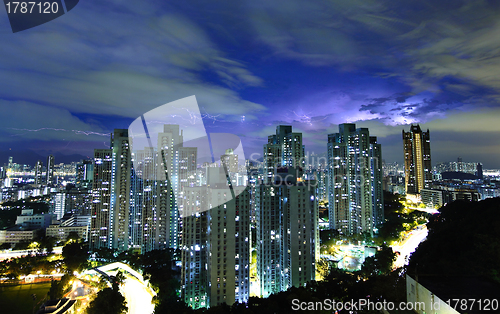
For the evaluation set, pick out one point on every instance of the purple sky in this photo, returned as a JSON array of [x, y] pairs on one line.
[[67, 84]]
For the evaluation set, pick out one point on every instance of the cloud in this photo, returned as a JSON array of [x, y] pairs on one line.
[[34, 121], [86, 62], [311, 64]]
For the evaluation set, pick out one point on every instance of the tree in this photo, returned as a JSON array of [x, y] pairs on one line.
[[117, 280], [75, 256], [73, 236], [463, 240], [324, 266], [59, 288], [108, 301], [22, 245], [380, 264], [48, 243]]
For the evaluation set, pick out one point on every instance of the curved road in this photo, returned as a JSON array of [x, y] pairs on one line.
[[137, 296], [409, 245]]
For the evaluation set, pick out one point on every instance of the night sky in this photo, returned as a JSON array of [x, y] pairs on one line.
[[65, 85]]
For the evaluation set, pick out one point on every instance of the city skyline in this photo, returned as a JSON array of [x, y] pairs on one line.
[[253, 66], [242, 156]]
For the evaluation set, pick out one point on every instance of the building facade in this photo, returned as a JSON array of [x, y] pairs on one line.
[[215, 245], [355, 191], [287, 235], [417, 156], [100, 227], [49, 175], [283, 149]]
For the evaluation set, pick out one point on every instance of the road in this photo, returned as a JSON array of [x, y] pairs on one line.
[[427, 210], [10, 254], [137, 296], [409, 245], [80, 289]]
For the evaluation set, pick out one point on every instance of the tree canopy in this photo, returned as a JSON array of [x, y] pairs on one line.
[[463, 239]]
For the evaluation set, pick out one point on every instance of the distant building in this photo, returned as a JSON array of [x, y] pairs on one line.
[[489, 192], [61, 231], [17, 234], [432, 198], [78, 201], [38, 221], [479, 170], [84, 173], [39, 172], [457, 166], [417, 158], [230, 161], [436, 198], [49, 175], [59, 204]]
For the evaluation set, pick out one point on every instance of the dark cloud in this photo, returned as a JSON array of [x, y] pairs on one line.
[[310, 64]]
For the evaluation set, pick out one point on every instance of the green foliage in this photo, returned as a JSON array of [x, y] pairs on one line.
[[56, 290], [75, 256], [463, 239], [380, 264], [61, 287], [48, 244], [117, 280], [397, 219], [108, 301], [73, 236], [324, 267], [26, 265], [22, 245], [157, 265]]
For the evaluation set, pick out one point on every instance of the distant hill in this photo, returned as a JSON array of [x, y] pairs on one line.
[[458, 175]]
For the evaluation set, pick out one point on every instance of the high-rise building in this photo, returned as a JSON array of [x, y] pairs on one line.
[[143, 200], [286, 212], [49, 175], [79, 201], [283, 149], [417, 154], [100, 227], [158, 181], [120, 189], [176, 170], [215, 244], [39, 172], [287, 235], [355, 194], [111, 194]]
